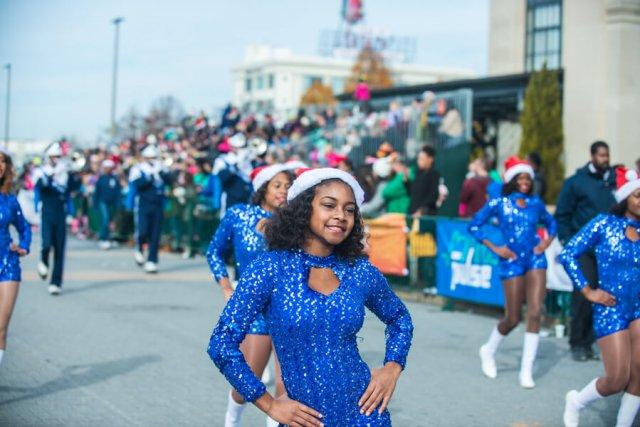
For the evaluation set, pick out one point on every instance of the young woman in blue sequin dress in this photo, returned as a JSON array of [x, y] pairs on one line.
[[242, 228], [615, 240], [313, 286], [522, 262], [10, 252]]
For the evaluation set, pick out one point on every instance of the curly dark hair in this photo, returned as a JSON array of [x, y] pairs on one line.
[[289, 227], [512, 186], [6, 182], [258, 196]]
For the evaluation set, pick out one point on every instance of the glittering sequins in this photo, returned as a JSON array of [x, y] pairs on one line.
[[10, 213], [618, 260], [238, 228], [519, 226], [314, 334]]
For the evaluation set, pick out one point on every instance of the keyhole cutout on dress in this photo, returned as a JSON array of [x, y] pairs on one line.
[[521, 203], [323, 280], [631, 234]]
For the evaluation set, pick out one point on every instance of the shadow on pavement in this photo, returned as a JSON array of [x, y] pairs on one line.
[[80, 376]]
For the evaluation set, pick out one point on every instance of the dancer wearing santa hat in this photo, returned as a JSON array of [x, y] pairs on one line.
[[313, 286], [522, 262], [242, 228], [615, 239]]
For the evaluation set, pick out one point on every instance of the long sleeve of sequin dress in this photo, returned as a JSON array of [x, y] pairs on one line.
[[489, 210], [220, 245], [315, 335], [11, 214], [586, 239]]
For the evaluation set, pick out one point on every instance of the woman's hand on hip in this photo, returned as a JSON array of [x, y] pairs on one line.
[[505, 252], [295, 414], [17, 249], [598, 296], [227, 290], [381, 387]]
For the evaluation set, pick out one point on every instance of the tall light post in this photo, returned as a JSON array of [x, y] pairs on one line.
[[114, 82], [7, 107]]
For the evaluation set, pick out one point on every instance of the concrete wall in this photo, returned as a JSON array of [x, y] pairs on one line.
[[507, 36], [601, 57]]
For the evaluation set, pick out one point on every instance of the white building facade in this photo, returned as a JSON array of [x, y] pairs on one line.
[[274, 79], [597, 44]]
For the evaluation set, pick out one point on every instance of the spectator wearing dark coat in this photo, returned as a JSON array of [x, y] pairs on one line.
[[107, 199], [474, 189], [424, 188]]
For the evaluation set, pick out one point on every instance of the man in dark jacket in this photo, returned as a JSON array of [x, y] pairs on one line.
[[107, 199], [583, 196], [424, 188]]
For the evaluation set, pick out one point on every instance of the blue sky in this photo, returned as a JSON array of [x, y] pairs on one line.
[[61, 50]]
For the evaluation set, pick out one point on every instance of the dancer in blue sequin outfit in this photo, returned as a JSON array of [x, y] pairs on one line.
[[10, 252], [522, 262], [313, 286], [615, 240], [242, 228]]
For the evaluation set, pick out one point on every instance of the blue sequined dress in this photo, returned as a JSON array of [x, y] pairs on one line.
[[519, 226], [618, 260], [238, 229], [11, 214], [314, 334]]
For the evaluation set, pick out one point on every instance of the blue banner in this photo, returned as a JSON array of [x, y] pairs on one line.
[[466, 269]]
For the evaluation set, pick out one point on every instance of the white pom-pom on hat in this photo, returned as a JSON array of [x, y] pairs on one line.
[[313, 177]]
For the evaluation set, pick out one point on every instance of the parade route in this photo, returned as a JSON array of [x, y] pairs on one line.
[[123, 348]]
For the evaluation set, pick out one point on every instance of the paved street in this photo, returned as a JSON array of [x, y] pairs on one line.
[[122, 348]]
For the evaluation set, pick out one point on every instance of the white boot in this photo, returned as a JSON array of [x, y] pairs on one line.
[[43, 270], [54, 290], [150, 267], [234, 413], [529, 351], [139, 257], [628, 409], [487, 351], [577, 400]]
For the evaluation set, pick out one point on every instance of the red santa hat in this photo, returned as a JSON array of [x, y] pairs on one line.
[[514, 166], [627, 181], [263, 174], [313, 177]]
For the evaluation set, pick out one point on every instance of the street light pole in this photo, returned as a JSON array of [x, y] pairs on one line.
[[6, 112], [114, 82]]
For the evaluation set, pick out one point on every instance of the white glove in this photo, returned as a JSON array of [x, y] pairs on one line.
[[146, 168], [48, 169]]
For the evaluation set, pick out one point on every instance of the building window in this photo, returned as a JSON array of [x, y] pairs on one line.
[[270, 81], [259, 83], [247, 84], [544, 34], [337, 85]]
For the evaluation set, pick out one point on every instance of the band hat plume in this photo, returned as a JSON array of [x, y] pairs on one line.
[[627, 181], [313, 177], [514, 166], [264, 174]]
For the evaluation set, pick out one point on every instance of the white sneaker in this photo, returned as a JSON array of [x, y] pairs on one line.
[[104, 245], [43, 270], [139, 257], [54, 290], [526, 380], [571, 414], [488, 363], [186, 254], [150, 267]]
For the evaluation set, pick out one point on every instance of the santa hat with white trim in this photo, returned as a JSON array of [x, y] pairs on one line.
[[627, 181], [313, 177], [514, 166], [263, 174]]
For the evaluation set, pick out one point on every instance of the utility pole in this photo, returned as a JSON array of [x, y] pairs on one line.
[[114, 82], [7, 107]]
